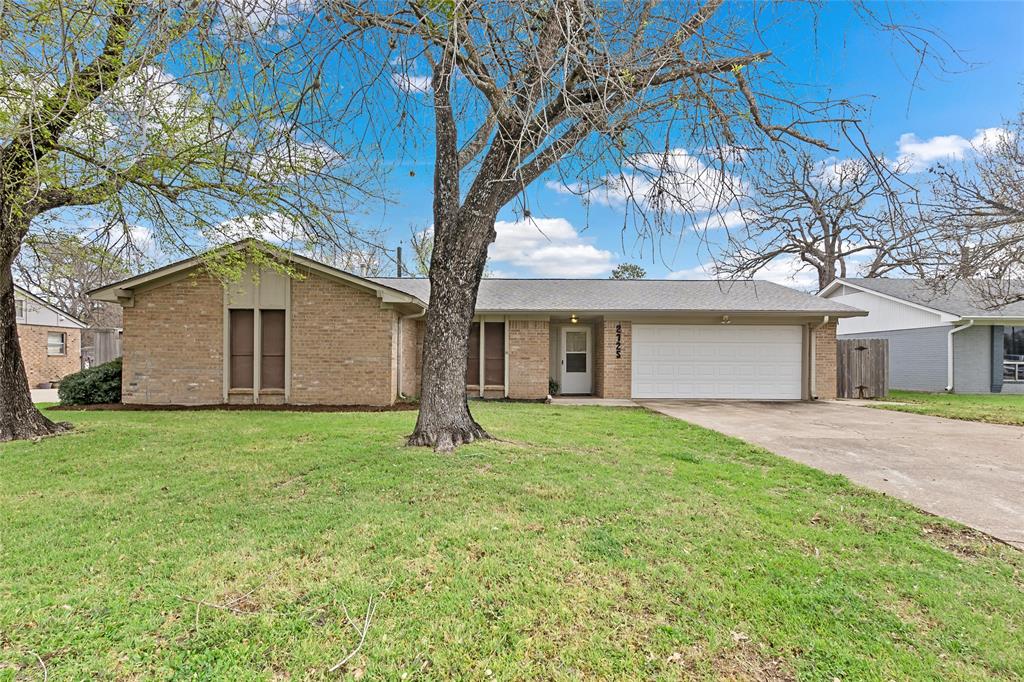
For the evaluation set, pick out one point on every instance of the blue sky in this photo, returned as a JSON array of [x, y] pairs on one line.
[[935, 121]]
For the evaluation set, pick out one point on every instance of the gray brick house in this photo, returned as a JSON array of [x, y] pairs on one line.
[[940, 339]]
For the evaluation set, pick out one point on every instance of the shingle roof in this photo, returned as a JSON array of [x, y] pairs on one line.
[[594, 295], [965, 299]]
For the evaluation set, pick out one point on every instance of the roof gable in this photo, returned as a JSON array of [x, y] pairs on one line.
[[958, 299], [121, 292], [62, 315]]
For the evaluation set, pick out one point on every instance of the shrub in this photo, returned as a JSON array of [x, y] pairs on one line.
[[100, 384], [553, 387]]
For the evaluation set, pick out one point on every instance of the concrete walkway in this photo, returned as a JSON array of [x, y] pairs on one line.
[[44, 395], [967, 471], [588, 400]]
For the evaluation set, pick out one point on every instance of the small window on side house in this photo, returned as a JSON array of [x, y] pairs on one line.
[[19, 309], [241, 346], [56, 343], [1013, 354], [473, 360], [494, 353], [272, 349]]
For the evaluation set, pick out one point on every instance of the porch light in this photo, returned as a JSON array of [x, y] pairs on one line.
[[573, 319], [726, 320]]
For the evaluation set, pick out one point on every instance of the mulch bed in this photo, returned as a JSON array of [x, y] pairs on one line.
[[121, 407]]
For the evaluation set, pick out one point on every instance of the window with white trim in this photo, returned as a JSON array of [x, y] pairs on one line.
[[1013, 354], [56, 343], [19, 309]]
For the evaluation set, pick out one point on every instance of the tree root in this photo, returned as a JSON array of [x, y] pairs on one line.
[[30, 425], [447, 438]]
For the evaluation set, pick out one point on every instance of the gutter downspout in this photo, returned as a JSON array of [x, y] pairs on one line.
[[401, 318], [813, 392], [949, 353]]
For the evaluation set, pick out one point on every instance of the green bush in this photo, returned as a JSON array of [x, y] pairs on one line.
[[100, 384]]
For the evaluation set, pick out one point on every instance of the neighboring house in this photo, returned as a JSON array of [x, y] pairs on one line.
[[332, 337], [50, 339], [938, 340]]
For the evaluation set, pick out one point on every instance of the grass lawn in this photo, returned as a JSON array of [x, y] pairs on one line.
[[589, 543], [995, 409]]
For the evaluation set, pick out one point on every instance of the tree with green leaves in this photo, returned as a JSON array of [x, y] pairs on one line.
[[628, 271], [157, 117]]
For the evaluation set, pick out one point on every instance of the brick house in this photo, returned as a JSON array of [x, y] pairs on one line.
[[50, 339], [326, 336]]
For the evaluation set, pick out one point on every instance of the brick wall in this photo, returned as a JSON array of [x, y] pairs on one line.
[[528, 356], [41, 367], [173, 345], [412, 356], [597, 375], [342, 345], [613, 378], [825, 361]]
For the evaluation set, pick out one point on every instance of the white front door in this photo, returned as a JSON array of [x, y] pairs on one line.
[[576, 364]]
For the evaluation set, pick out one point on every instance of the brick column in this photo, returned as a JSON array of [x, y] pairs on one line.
[[825, 361], [616, 366], [529, 352]]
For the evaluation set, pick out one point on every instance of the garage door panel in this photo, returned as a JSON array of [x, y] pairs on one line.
[[717, 361]]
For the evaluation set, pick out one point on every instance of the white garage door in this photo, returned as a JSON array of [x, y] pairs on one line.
[[756, 362]]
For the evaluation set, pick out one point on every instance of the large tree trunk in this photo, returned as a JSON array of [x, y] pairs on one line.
[[19, 418], [456, 268]]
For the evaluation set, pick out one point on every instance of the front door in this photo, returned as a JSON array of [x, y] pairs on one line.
[[576, 363]]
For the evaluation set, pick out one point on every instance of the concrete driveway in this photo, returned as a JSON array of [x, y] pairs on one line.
[[967, 471]]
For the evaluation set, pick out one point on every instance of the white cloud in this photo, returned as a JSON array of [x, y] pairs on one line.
[[547, 247], [410, 83], [675, 182], [272, 227], [720, 220], [917, 154], [786, 270]]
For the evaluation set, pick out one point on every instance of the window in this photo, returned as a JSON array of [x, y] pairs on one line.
[[494, 354], [473, 362], [19, 309], [1013, 354], [56, 343], [272, 349], [241, 345], [576, 351]]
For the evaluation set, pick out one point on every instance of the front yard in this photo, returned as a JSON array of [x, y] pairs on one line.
[[588, 543], [995, 409]]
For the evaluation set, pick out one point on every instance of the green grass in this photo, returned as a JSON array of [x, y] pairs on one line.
[[995, 409], [588, 543]]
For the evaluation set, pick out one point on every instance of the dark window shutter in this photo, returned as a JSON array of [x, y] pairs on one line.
[[494, 353], [272, 349], [473, 363], [241, 348]]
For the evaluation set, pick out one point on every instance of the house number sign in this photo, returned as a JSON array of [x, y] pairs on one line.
[[618, 340]]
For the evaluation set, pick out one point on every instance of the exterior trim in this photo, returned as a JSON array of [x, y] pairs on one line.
[[830, 287], [116, 292], [949, 352], [75, 322], [996, 360]]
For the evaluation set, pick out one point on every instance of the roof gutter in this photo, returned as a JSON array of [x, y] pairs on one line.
[[813, 391], [949, 353]]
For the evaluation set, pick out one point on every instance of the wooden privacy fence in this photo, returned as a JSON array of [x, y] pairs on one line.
[[862, 366], [99, 346]]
